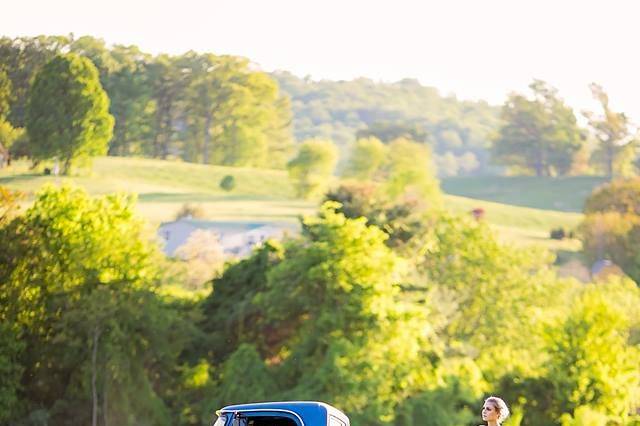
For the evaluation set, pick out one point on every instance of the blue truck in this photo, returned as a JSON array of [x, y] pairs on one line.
[[289, 413]]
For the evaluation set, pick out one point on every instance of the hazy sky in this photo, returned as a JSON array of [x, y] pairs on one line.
[[473, 48]]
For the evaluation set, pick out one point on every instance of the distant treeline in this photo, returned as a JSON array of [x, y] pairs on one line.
[[198, 107], [459, 132], [201, 107], [221, 110]]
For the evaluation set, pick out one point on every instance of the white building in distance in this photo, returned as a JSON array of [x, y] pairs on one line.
[[237, 238]]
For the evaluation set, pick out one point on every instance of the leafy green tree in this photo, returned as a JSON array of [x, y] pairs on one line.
[[11, 370], [611, 227], [410, 170], [232, 316], [253, 120], [613, 236], [168, 79], [353, 343], [77, 280], [366, 158], [5, 93], [234, 115], [8, 137], [129, 91], [585, 416], [617, 142], [245, 378], [539, 134], [477, 285], [95, 49], [591, 361], [402, 220], [622, 196], [22, 58], [311, 169], [67, 114]]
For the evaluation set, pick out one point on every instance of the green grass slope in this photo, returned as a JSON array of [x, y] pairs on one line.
[[163, 187], [565, 194]]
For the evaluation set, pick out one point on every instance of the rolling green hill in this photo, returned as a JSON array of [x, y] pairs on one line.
[[566, 194], [163, 187]]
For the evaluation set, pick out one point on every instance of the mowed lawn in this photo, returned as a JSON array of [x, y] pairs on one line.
[[163, 187]]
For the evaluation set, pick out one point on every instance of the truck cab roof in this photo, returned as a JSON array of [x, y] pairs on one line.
[[305, 413]]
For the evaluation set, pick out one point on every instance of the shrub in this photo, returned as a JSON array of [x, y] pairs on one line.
[[613, 236], [622, 196], [190, 210], [558, 234], [228, 183]]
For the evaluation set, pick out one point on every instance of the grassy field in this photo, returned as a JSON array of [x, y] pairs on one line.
[[565, 194], [164, 187]]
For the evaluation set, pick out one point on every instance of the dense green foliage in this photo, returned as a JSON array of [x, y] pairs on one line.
[[385, 305], [403, 167], [81, 321], [367, 156], [213, 109], [396, 313], [539, 135], [199, 107], [68, 112], [5, 93], [345, 110], [311, 169], [611, 228], [617, 142], [622, 196]]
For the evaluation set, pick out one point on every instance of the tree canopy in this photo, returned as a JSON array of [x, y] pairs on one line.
[[68, 112], [539, 134]]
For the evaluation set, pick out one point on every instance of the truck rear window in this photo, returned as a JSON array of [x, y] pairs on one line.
[[270, 421]]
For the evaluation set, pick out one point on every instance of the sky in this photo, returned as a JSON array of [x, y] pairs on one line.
[[475, 49]]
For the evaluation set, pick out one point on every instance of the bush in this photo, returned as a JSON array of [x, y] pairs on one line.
[[613, 236], [190, 211], [558, 234], [228, 183], [622, 196]]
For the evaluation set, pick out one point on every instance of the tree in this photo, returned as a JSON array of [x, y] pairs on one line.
[[234, 115], [5, 93], [77, 280], [539, 134], [410, 170], [168, 79], [402, 220], [622, 196], [611, 227], [351, 340], [68, 112], [613, 236], [591, 362], [129, 91], [311, 169], [232, 316], [22, 58], [617, 142], [8, 136], [367, 156]]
